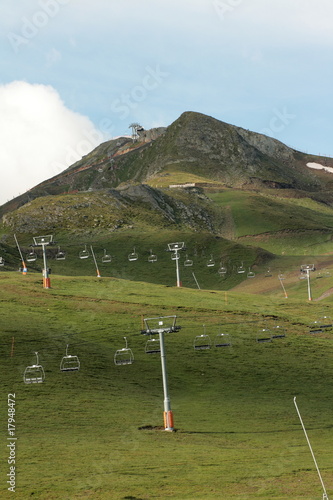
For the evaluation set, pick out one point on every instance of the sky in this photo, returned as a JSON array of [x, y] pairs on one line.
[[75, 73]]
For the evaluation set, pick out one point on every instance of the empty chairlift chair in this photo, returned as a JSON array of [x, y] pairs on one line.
[[315, 327], [153, 346], [124, 356], [69, 363], [202, 342], [326, 322], [152, 257], [84, 254], [188, 262], [278, 332], [250, 274], [31, 256], [60, 255], [241, 269], [222, 270], [211, 262], [264, 335], [133, 256], [34, 374], [222, 340], [106, 257]]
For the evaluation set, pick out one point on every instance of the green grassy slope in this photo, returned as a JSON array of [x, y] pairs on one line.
[[292, 226], [238, 435]]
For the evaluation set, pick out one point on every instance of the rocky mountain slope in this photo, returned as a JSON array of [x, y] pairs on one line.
[[194, 144], [115, 185]]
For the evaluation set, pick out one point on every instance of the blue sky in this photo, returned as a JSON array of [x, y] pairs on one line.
[[77, 72]]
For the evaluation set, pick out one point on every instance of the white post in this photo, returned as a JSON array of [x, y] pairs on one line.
[[168, 417], [283, 288], [46, 279], [94, 258], [177, 268], [309, 288], [325, 497]]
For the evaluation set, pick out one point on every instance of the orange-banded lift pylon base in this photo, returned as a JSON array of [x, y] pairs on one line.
[[46, 283], [168, 420]]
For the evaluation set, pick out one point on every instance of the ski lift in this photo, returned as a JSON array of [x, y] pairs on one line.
[[278, 332], [152, 257], [202, 341], [211, 262], [133, 256], [31, 256], [268, 273], [222, 270], [188, 262], [34, 374], [60, 255], [315, 327], [84, 254], [153, 346], [69, 363], [250, 274], [281, 276], [222, 340], [307, 267], [326, 322], [2, 261], [124, 356], [264, 335], [241, 269], [106, 257]]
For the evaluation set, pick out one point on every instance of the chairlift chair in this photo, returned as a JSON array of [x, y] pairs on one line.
[[250, 274], [34, 374], [268, 273], [153, 346], [188, 262], [315, 327], [326, 322], [202, 341], [69, 363], [2, 261], [211, 262], [31, 256], [278, 332], [281, 276], [60, 255], [241, 269], [152, 257], [222, 270], [106, 257], [222, 340], [84, 254], [264, 335], [124, 356], [133, 256]]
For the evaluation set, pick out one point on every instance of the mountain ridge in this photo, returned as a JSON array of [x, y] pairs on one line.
[[193, 144]]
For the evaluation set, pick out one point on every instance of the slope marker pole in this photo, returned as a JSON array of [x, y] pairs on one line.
[[325, 497], [24, 266], [93, 254]]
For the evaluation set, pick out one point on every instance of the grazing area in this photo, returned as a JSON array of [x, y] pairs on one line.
[[97, 432]]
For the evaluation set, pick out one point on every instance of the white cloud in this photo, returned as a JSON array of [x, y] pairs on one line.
[[40, 136]]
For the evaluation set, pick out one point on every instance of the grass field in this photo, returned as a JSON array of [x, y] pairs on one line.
[[96, 433]]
